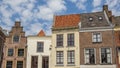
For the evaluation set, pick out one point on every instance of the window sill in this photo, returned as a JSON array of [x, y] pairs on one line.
[[96, 42], [90, 64], [70, 46], [70, 64], [59, 46], [59, 65], [106, 64]]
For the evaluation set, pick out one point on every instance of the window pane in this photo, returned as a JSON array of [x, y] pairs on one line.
[[20, 52], [10, 52], [59, 40], [40, 46], [59, 57], [16, 38], [9, 64], [105, 55], [19, 64], [70, 39], [96, 37], [89, 56], [70, 57]]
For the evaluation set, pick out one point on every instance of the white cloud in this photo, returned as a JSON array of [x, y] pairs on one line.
[[97, 3], [114, 6], [97, 9], [80, 4], [56, 5], [30, 12]]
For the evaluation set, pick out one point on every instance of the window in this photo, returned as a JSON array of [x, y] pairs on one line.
[[90, 18], [105, 55], [34, 61], [10, 52], [89, 56], [20, 52], [70, 39], [59, 40], [59, 57], [40, 46], [19, 64], [71, 57], [16, 38], [97, 37], [9, 64], [100, 18]]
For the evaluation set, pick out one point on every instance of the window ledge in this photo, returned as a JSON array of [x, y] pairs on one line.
[[59, 65], [70, 64], [97, 42], [106, 64], [70, 46], [59, 46], [90, 64]]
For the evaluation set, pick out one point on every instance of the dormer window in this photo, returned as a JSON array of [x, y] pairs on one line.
[[90, 19], [16, 38], [100, 18]]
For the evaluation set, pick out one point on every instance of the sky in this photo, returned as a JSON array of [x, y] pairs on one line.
[[36, 15]]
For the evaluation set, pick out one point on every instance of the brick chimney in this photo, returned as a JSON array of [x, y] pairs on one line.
[[105, 8], [17, 23]]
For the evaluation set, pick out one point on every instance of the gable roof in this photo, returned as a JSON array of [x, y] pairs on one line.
[[41, 33], [95, 22], [70, 20]]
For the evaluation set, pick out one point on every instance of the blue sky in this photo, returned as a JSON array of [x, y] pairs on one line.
[[38, 14]]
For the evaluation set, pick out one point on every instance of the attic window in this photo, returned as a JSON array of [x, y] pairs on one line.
[[100, 18], [90, 19]]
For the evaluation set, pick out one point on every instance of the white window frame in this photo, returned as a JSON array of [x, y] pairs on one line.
[[85, 54], [93, 37], [100, 54]]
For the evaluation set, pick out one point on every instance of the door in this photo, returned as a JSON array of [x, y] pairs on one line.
[[45, 62], [34, 62]]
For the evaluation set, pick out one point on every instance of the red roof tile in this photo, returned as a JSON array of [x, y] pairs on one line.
[[66, 20], [41, 33]]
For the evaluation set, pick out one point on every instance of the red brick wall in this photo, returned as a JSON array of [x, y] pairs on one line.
[[86, 42]]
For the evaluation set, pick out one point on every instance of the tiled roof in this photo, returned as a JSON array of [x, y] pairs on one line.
[[95, 22], [62, 21], [117, 20], [41, 33]]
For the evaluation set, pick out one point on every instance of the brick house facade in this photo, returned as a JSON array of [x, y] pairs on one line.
[[97, 48], [15, 48]]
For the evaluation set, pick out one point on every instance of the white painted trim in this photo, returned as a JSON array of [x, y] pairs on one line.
[[100, 54], [107, 19], [95, 55], [93, 30]]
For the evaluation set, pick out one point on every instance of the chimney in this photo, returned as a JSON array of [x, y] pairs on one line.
[[105, 8], [17, 23], [112, 19], [109, 13]]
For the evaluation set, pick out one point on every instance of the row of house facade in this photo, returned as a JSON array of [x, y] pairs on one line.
[[87, 40]]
